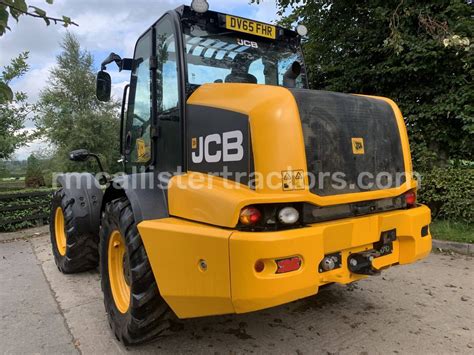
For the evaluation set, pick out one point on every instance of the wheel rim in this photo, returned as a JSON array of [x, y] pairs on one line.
[[59, 231], [119, 271]]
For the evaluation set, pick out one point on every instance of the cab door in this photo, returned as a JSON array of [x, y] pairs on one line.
[[154, 121], [137, 132], [169, 89]]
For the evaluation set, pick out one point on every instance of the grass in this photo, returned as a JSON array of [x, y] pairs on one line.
[[25, 190], [452, 231], [11, 184]]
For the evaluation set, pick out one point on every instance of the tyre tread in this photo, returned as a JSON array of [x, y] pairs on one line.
[[148, 316], [82, 250]]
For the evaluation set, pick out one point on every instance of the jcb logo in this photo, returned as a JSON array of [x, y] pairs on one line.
[[244, 42], [215, 147], [358, 146]]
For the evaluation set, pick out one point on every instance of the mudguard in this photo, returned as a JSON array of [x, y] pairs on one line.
[[84, 193], [146, 193]]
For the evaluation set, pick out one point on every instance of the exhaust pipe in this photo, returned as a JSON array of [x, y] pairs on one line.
[[290, 76]]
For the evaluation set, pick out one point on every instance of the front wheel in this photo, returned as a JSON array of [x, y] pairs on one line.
[[136, 311]]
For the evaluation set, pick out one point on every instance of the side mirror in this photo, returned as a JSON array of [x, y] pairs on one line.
[[79, 155], [293, 72], [104, 86]]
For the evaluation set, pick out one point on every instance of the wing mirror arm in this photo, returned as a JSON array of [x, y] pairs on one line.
[[81, 155], [97, 159], [122, 63]]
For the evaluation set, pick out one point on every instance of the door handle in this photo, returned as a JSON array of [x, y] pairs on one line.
[[128, 142]]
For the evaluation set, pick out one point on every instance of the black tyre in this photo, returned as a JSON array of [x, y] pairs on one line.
[[73, 251], [136, 311]]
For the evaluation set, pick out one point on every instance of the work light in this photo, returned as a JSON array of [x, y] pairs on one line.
[[200, 6], [302, 30]]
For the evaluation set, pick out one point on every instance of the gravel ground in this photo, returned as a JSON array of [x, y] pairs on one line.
[[424, 308]]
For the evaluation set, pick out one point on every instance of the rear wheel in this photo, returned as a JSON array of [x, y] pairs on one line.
[[73, 251], [136, 311]]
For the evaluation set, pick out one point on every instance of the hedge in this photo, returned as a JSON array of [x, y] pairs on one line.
[[24, 209], [449, 192]]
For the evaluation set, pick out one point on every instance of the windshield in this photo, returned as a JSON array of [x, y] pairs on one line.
[[232, 57]]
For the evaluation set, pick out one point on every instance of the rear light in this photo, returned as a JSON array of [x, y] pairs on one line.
[[410, 198], [288, 265], [275, 216], [250, 216], [288, 215]]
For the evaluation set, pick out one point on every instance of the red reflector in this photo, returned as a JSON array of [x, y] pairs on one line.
[[259, 266], [287, 265], [410, 198]]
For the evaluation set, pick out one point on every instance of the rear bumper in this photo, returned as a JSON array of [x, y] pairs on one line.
[[229, 282], [252, 291]]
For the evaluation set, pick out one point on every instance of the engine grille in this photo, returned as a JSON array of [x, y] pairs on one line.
[[352, 136]]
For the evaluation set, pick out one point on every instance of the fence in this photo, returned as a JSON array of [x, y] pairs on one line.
[[24, 209]]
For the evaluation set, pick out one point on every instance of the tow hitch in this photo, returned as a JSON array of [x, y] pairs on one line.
[[361, 263]]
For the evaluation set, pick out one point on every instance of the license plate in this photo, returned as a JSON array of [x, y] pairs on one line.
[[251, 27]]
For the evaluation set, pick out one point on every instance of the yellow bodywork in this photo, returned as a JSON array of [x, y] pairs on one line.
[[230, 283], [278, 149], [204, 266]]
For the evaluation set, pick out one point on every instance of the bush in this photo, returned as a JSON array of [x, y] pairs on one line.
[[48, 178], [449, 192], [34, 175]]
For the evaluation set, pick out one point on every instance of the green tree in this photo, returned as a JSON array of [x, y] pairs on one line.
[[419, 53], [14, 113], [34, 175], [14, 9], [49, 165], [17, 8], [69, 114]]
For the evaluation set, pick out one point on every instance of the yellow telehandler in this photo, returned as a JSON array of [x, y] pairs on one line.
[[243, 189]]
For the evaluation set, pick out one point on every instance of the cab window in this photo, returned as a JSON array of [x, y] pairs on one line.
[[137, 139], [167, 68], [169, 150], [229, 57]]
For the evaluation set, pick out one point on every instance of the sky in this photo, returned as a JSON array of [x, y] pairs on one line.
[[104, 26]]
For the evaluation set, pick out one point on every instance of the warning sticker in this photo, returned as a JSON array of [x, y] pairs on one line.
[[194, 143], [142, 151], [292, 180], [298, 180], [287, 180]]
